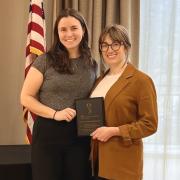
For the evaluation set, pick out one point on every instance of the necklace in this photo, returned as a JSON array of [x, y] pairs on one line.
[[75, 66]]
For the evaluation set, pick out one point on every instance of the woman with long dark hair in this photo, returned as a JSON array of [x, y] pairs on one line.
[[55, 80]]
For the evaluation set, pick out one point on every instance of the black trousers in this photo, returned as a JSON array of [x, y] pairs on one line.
[[57, 153]]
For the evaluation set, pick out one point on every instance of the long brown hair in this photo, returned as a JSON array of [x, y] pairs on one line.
[[58, 54]]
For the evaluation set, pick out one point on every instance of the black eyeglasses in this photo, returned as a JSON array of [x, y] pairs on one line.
[[115, 46]]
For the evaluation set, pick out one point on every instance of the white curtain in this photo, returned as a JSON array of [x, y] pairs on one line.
[[160, 58]]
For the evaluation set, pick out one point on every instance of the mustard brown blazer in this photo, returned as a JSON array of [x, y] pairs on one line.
[[131, 105]]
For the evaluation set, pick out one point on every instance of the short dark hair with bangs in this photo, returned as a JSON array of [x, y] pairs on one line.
[[117, 33]]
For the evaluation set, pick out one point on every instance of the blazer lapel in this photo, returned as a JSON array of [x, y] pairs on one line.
[[119, 85]]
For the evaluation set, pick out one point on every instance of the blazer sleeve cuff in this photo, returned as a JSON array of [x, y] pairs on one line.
[[124, 133]]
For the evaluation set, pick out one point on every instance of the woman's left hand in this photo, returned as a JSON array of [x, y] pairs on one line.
[[103, 134]]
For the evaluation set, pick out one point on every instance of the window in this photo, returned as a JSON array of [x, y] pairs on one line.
[[160, 58]]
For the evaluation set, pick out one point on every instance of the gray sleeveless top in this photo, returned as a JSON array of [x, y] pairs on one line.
[[59, 91]]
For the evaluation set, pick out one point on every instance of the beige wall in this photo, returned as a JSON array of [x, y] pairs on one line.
[[13, 20]]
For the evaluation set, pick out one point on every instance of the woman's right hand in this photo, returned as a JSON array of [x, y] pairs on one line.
[[66, 114]]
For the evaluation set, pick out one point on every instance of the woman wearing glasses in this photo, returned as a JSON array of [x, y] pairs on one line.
[[130, 110]]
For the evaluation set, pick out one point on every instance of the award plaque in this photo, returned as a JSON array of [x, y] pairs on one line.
[[90, 115]]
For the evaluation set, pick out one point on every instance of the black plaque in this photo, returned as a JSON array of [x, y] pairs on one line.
[[90, 115]]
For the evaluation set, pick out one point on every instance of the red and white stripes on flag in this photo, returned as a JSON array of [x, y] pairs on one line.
[[36, 45]]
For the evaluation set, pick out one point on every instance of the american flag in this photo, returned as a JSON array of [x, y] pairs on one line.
[[36, 45]]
